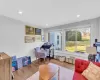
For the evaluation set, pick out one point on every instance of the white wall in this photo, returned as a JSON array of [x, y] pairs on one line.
[[99, 29], [12, 34]]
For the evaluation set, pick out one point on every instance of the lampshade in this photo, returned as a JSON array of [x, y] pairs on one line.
[[91, 50]]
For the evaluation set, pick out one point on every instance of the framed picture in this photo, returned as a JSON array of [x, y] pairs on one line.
[[42, 38], [37, 31], [37, 37], [29, 39], [29, 30]]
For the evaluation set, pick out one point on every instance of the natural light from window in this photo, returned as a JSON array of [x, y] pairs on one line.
[[76, 40]]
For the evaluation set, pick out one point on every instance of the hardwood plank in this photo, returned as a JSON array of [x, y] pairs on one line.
[[25, 72]]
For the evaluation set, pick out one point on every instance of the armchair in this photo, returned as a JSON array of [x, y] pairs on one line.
[[40, 53]]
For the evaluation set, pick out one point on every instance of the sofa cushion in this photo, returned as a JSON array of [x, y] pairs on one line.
[[78, 76], [92, 72], [97, 63], [81, 65]]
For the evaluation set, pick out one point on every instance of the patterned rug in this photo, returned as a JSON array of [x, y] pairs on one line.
[[65, 74]]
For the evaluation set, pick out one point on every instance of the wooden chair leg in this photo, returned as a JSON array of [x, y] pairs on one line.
[[44, 60]]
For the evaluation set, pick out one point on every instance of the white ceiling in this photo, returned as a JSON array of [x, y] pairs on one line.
[[51, 12]]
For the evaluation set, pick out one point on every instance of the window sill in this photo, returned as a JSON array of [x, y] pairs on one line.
[[74, 54]]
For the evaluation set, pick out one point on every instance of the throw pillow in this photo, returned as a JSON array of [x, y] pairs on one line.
[[92, 72]]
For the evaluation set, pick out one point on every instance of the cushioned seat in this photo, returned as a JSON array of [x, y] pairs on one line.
[[78, 76], [80, 66]]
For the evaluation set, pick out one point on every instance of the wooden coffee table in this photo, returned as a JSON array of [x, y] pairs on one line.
[[48, 71]]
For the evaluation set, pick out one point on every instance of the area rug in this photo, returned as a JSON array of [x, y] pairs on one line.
[[65, 74]]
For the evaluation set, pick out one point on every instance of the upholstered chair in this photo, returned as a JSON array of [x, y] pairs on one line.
[[40, 53]]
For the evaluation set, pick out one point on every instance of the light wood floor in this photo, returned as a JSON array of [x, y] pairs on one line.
[[26, 72]]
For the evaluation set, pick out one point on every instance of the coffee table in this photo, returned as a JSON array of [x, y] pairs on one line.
[[48, 72]]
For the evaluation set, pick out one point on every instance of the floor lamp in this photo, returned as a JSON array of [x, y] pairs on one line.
[[92, 53]]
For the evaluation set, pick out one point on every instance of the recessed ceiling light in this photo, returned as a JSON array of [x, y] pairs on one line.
[[46, 24], [78, 16], [20, 12]]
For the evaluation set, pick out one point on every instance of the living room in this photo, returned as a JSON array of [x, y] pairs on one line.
[[70, 28]]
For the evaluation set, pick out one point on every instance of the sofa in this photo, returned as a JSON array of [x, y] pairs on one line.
[[80, 66]]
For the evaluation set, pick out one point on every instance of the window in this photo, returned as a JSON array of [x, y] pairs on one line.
[[77, 39], [56, 39]]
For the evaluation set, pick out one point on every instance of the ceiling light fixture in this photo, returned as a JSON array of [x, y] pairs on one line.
[[20, 12], [46, 24], [78, 16]]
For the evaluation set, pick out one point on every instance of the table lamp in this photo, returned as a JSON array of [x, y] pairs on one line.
[[92, 53]]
